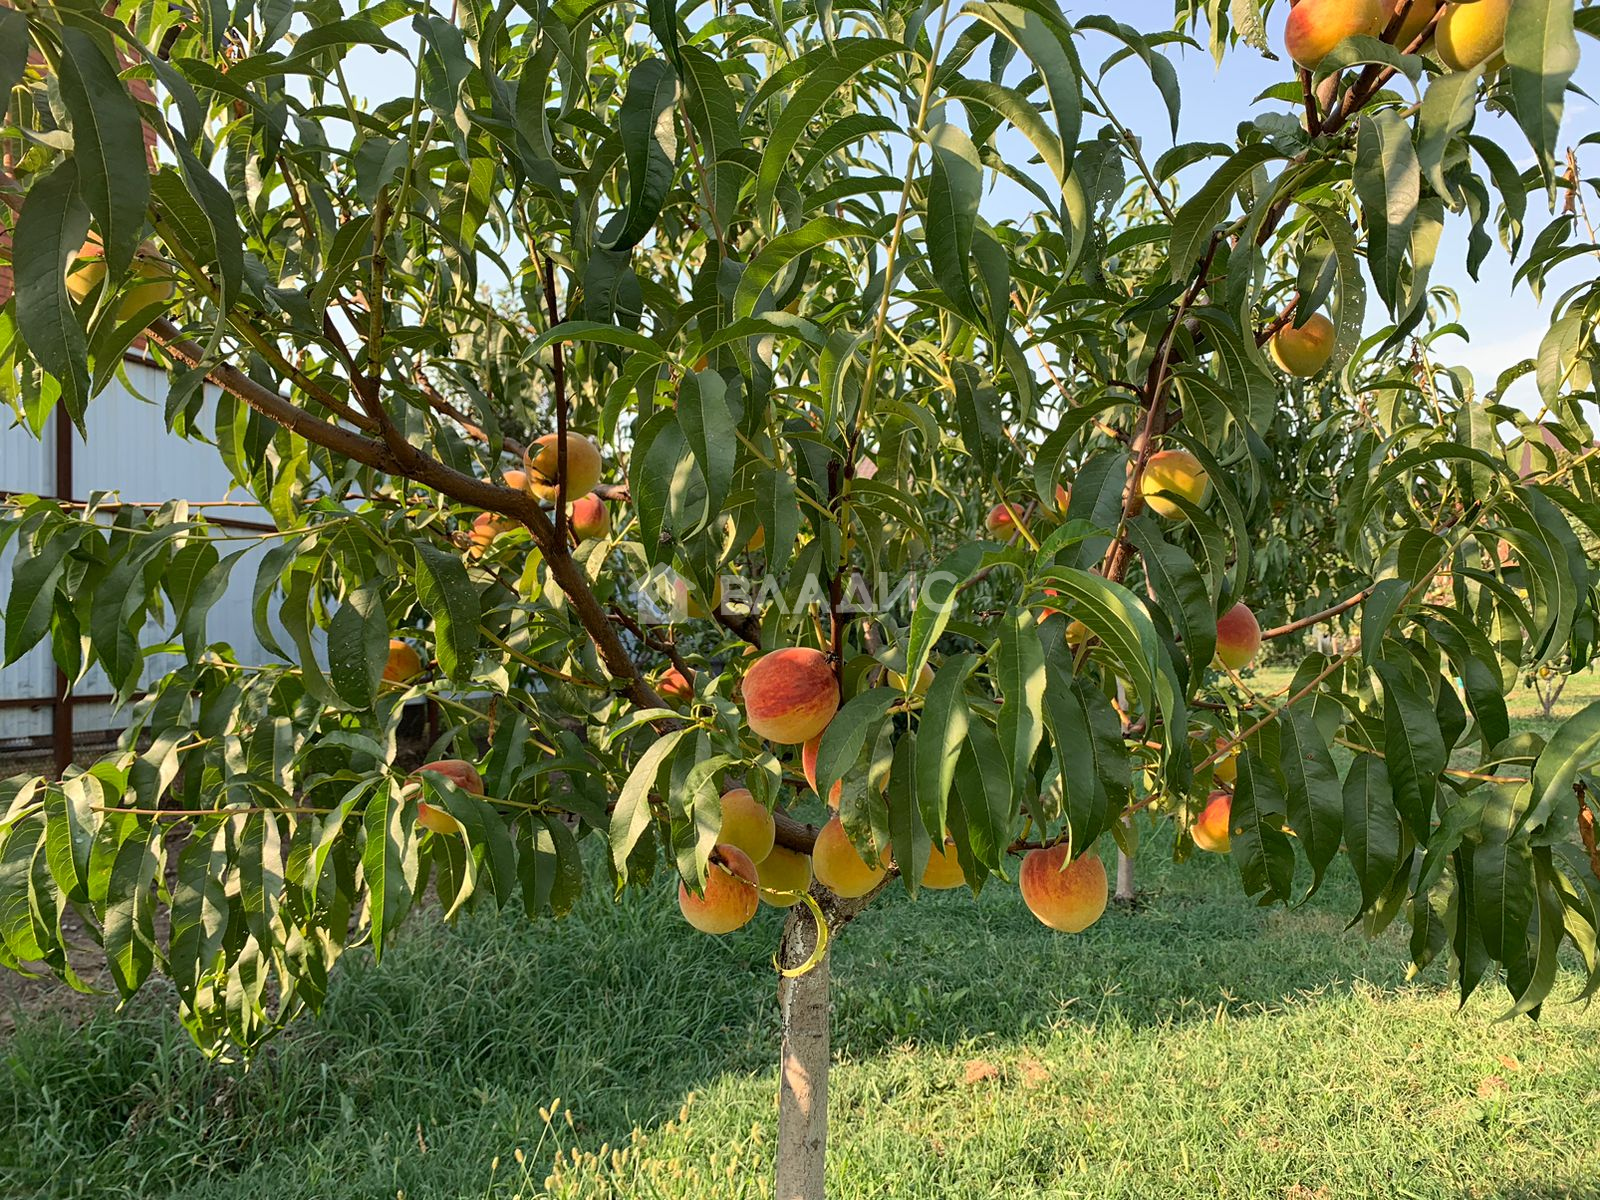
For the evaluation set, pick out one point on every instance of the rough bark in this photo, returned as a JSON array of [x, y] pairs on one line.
[[803, 1076]]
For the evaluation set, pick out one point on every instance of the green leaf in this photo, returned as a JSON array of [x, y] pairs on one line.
[[1048, 44], [847, 735], [389, 861], [129, 922], [1371, 827], [1352, 286], [906, 830], [1541, 55], [1389, 183], [444, 589], [1503, 895], [1571, 749], [784, 249], [941, 732], [1180, 592], [358, 646], [649, 132], [1312, 791], [1018, 665], [1448, 107], [711, 432], [32, 601], [108, 146], [955, 186], [1414, 750], [631, 816], [1260, 849], [984, 793], [13, 51], [1206, 209], [49, 232]]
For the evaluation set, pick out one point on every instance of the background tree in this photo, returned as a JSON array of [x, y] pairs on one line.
[[747, 254]]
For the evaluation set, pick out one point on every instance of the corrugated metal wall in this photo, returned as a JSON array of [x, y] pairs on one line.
[[128, 451]]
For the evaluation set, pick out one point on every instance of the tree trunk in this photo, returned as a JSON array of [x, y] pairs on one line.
[[803, 1078], [1126, 892]]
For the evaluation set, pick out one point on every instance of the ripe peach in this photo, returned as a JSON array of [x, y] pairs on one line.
[[729, 899], [1005, 521], [1416, 20], [673, 686], [485, 528], [458, 771], [1304, 351], [1210, 830], [808, 764], [758, 539], [897, 680], [583, 466], [840, 867], [589, 518], [1065, 896], [786, 871], [517, 481], [790, 695], [746, 823], [436, 820], [944, 869], [154, 284], [1317, 26], [404, 664], [1238, 637], [1469, 34], [1177, 472], [1063, 498]]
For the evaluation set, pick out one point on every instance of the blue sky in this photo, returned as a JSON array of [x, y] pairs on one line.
[[1507, 325]]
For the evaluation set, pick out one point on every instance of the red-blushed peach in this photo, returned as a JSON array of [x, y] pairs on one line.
[[1176, 472], [544, 465], [1063, 498], [1303, 352], [673, 686], [1238, 637], [404, 663], [1210, 830], [840, 867], [589, 518], [1065, 896], [785, 875], [808, 764], [1469, 34], [154, 278], [729, 899], [944, 869], [458, 771], [1005, 521], [790, 695], [1317, 26], [746, 823]]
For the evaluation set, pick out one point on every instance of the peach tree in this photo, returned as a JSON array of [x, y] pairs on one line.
[[959, 517]]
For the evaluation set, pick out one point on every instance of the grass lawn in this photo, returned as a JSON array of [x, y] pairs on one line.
[[1198, 1047]]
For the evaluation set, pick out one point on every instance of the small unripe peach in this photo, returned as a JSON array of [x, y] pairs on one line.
[[1210, 830], [840, 867], [404, 663], [673, 686], [746, 823], [897, 680], [1226, 768], [1317, 26], [589, 518], [1469, 34], [785, 875], [1303, 352], [1077, 633], [1238, 637], [544, 462], [944, 869], [485, 528], [790, 695], [1176, 472], [729, 899], [1065, 896], [1005, 521], [758, 539]]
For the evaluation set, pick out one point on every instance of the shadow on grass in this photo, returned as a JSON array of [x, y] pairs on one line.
[[445, 1052]]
